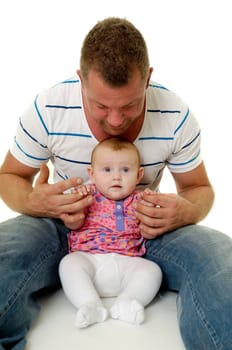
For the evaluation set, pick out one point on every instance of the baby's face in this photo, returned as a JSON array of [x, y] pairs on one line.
[[115, 172]]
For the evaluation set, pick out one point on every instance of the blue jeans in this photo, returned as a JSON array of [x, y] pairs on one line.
[[30, 251], [196, 262]]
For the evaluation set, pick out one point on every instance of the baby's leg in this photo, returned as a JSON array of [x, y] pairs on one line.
[[76, 274], [141, 280]]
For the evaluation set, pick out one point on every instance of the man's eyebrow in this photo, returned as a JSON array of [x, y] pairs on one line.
[[124, 106], [132, 102], [128, 104]]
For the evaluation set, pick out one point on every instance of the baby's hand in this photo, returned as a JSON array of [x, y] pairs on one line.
[[147, 191], [83, 190]]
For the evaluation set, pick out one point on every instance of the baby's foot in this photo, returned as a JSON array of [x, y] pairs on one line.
[[128, 310], [87, 315]]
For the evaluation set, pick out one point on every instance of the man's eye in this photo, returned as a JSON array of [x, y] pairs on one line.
[[101, 107]]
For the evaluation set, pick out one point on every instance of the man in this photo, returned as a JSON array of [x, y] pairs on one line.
[[112, 95]]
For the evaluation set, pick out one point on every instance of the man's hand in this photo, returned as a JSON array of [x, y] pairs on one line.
[[159, 213], [58, 200]]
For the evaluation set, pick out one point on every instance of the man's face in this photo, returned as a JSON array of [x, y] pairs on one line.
[[113, 109]]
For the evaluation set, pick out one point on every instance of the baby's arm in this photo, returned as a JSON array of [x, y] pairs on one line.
[[82, 190]]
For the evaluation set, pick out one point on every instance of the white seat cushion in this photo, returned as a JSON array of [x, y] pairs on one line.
[[54, 328]]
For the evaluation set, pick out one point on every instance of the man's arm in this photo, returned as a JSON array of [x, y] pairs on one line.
[[190, 205], [16, 184], [40, 199], [195, 187]]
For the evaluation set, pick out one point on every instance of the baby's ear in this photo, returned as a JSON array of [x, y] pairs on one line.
[[140, 174], [90, 173]]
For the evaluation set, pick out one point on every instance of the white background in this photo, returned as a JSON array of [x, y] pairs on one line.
[[190, 49]]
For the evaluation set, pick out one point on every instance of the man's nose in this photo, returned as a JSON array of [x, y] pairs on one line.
[[115, 118]]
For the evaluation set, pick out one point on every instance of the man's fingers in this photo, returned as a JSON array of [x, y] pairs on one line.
[[43, 175]]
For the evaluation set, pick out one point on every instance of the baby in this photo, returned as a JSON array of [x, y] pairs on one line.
[[106, 250]]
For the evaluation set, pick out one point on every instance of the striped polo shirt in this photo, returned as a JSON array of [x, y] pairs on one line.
[[54, 128]]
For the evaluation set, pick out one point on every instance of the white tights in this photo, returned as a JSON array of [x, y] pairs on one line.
[[87, 277]]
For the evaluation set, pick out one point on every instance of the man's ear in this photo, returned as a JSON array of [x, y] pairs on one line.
[[140, 174], [79, 74], [149, 76]]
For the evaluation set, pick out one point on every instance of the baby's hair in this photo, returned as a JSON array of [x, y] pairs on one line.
[[116, 144]]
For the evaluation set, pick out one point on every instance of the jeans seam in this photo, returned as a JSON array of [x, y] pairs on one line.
[[14, 296], [199, 309]]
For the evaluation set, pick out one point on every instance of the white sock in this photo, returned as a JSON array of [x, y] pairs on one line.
[[87, 315], [128, 310]]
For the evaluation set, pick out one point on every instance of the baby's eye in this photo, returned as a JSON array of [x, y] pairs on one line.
[[107, 169], [125, 170]]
